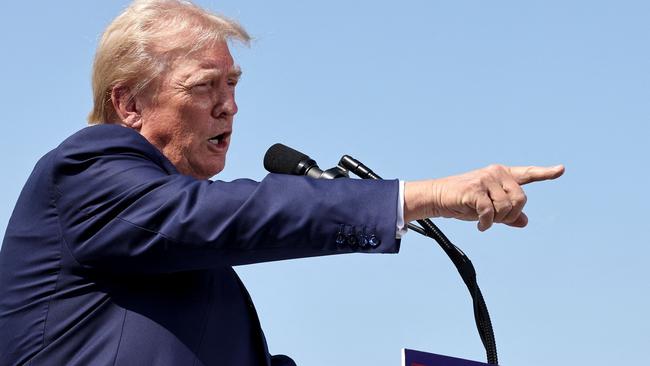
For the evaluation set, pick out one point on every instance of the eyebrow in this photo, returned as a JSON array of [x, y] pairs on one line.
[[235, 71]]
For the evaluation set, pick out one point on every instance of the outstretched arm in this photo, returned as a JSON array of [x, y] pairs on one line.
[[123, 207]]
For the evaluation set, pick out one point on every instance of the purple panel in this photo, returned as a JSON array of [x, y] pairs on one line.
[[417, 358]]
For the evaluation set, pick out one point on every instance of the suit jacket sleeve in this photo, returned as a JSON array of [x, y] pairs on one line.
[[123, 207]]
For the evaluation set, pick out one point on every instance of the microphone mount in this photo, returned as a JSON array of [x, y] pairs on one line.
[[310, 168]]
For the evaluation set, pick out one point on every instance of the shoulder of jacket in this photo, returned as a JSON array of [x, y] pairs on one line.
[[107, 140], [105, 134]]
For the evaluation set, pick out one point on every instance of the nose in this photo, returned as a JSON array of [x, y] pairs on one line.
[[226, 106], [230, 107]]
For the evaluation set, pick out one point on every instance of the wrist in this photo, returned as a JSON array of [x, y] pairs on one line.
[[421, 200]]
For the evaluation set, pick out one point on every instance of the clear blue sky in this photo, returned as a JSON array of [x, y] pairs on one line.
[[416, 89]]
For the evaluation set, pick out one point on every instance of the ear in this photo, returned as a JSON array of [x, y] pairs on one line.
[[126, 107]]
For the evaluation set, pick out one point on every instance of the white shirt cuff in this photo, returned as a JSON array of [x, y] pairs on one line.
[[401, 228]]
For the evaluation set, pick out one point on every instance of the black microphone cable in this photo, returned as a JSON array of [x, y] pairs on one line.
[[285, 160], [461, 261]]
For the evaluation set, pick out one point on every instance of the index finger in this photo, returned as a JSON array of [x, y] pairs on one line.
[[529, 174]]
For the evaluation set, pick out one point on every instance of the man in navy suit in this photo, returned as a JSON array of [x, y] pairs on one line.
[[120, 249]]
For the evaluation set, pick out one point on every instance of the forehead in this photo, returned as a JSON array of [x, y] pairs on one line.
[[216, 57]]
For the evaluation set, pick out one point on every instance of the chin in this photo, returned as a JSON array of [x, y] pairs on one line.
[[214, 170], [206, 167]]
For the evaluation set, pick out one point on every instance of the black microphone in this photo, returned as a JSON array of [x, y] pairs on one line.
[[282, 159]]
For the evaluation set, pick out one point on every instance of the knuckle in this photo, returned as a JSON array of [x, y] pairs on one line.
[[486, 211], [507, 206], [494, 168], [502, 205], [502, 210], [523, 199], [519, 199]]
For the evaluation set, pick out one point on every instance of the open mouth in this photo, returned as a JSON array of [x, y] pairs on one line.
[[220, 139]]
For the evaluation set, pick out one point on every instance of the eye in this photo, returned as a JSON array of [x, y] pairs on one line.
[[233, 82], [204, 85]]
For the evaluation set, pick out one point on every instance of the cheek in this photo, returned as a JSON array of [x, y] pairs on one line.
[[200, 108], [204, 105], [197, 119]]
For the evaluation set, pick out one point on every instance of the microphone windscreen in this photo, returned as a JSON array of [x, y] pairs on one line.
[[282, 159]]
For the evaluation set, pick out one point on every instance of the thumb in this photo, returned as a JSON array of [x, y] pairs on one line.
[[521, 221]]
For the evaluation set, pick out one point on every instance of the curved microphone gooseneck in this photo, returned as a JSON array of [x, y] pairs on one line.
[[461, 261], [285, 160]]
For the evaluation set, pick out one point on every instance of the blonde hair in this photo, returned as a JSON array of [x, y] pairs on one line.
[[141, 43]]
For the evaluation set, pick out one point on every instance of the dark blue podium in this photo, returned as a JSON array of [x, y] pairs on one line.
[[418, 358]]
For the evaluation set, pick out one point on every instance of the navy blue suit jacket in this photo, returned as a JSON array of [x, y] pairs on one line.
[[112, 257]]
